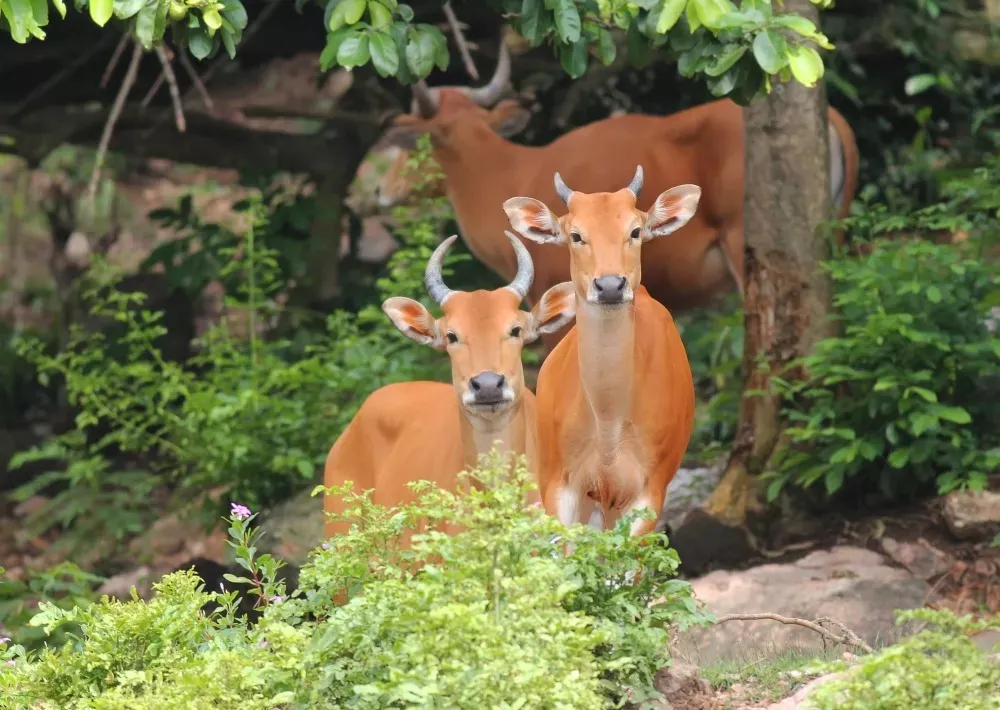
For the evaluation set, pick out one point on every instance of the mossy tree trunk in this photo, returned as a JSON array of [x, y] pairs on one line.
[[786, 294]]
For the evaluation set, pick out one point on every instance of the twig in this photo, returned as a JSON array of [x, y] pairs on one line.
[[199, 85], [114, 60], [109, 126], [153, 89], [847, 637], [463, 48], [62, 74], [175, 94]]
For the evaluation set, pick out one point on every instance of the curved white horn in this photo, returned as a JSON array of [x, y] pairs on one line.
[[424, 99], [561, 189], [488, 95], [432, 274], [525, 268], [635, 187]]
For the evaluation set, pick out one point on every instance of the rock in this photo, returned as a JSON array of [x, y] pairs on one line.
[[702, 541], [120, 585], [689, 488], [972, 516], [794, 701], [684, 688], [920, 557], [293, 528], [987, 641], [851, 585]]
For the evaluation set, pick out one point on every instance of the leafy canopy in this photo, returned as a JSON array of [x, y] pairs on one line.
[[737, 49]]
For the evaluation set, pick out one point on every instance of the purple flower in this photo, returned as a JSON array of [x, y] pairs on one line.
[[9, 663], [262, 644], [325, 546], [276, 599], [240, 512], [4, 639]]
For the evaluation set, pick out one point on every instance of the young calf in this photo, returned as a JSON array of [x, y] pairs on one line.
[[412, 431], [616, 396]]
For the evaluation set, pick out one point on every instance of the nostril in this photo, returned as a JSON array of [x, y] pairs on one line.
[[621, 283], [474, 384], [501, 381]]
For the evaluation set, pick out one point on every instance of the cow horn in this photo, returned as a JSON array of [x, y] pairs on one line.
[[561, 189], [525, 268], [425, 99], [488, 95], [432, 274], [635, 187]]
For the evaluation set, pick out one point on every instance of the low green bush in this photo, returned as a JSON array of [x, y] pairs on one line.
[[905, 397], [497, 616], [936, 669]]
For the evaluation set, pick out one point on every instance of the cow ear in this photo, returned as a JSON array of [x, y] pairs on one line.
[[413, 320], [533, 220], [509, 118], [554, 310], [671, 211], [405, 131]]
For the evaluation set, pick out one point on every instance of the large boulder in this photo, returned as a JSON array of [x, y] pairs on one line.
[[851, 585]]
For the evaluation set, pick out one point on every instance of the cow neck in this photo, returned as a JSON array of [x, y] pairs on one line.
[[479, 435], [606, 355]]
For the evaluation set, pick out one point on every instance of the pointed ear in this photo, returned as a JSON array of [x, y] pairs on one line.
[[404, 132], [556, 308], [508, 118], [671, 211], [533, 220], [413, 320]]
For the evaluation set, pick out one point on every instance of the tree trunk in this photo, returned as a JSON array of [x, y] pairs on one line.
[[786, 295]]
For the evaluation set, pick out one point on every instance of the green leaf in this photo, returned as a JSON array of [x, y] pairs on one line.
[[405, 12], [353, 52], [383, 51], [567, 19], [145, 26], [933, 294], [774, 488], [100, 11], [125, 9], [212, 19], [711, 12], [235, 13], [957, 415], [531, 21], [40, 12], [336, 20], [199, 43], [691, 15], [919, 83], [924, 393], [804, 26], [639, 52], [60, 8], [229, 43], [725, 60], [770, 51], [380, 15], [669, 15], [574, 58], [834, 479], [806, 65], [899, 458], [333, 40], [420, 52], [606, 49], [353, 10]]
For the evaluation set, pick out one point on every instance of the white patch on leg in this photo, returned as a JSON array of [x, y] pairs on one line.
[[643, 502], [596, 518], [567, 506]]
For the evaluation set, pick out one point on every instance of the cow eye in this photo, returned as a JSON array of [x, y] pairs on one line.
[[452, 338], [635, 233], [515, 332], [575, 236]]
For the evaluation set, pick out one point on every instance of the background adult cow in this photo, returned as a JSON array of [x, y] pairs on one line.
[[703, 145]]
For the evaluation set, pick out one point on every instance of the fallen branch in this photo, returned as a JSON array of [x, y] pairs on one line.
[[109, 126], [463, 47], [846, 637], [175, 94]]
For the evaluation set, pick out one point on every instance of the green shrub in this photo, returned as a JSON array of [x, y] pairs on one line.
[[906, 394], [937, 669], [497, 617], [252, 416]]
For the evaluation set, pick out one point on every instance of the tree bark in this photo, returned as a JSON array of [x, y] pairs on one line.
[[786, 295]]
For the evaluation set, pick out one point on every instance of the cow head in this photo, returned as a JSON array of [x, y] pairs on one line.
[[436, 112], [605, 232], [483, 332]]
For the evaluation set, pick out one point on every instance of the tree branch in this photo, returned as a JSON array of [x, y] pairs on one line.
[[196, 82], [115, 56], [175, 94], [109, 126], [463, 47], [846, 637]]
